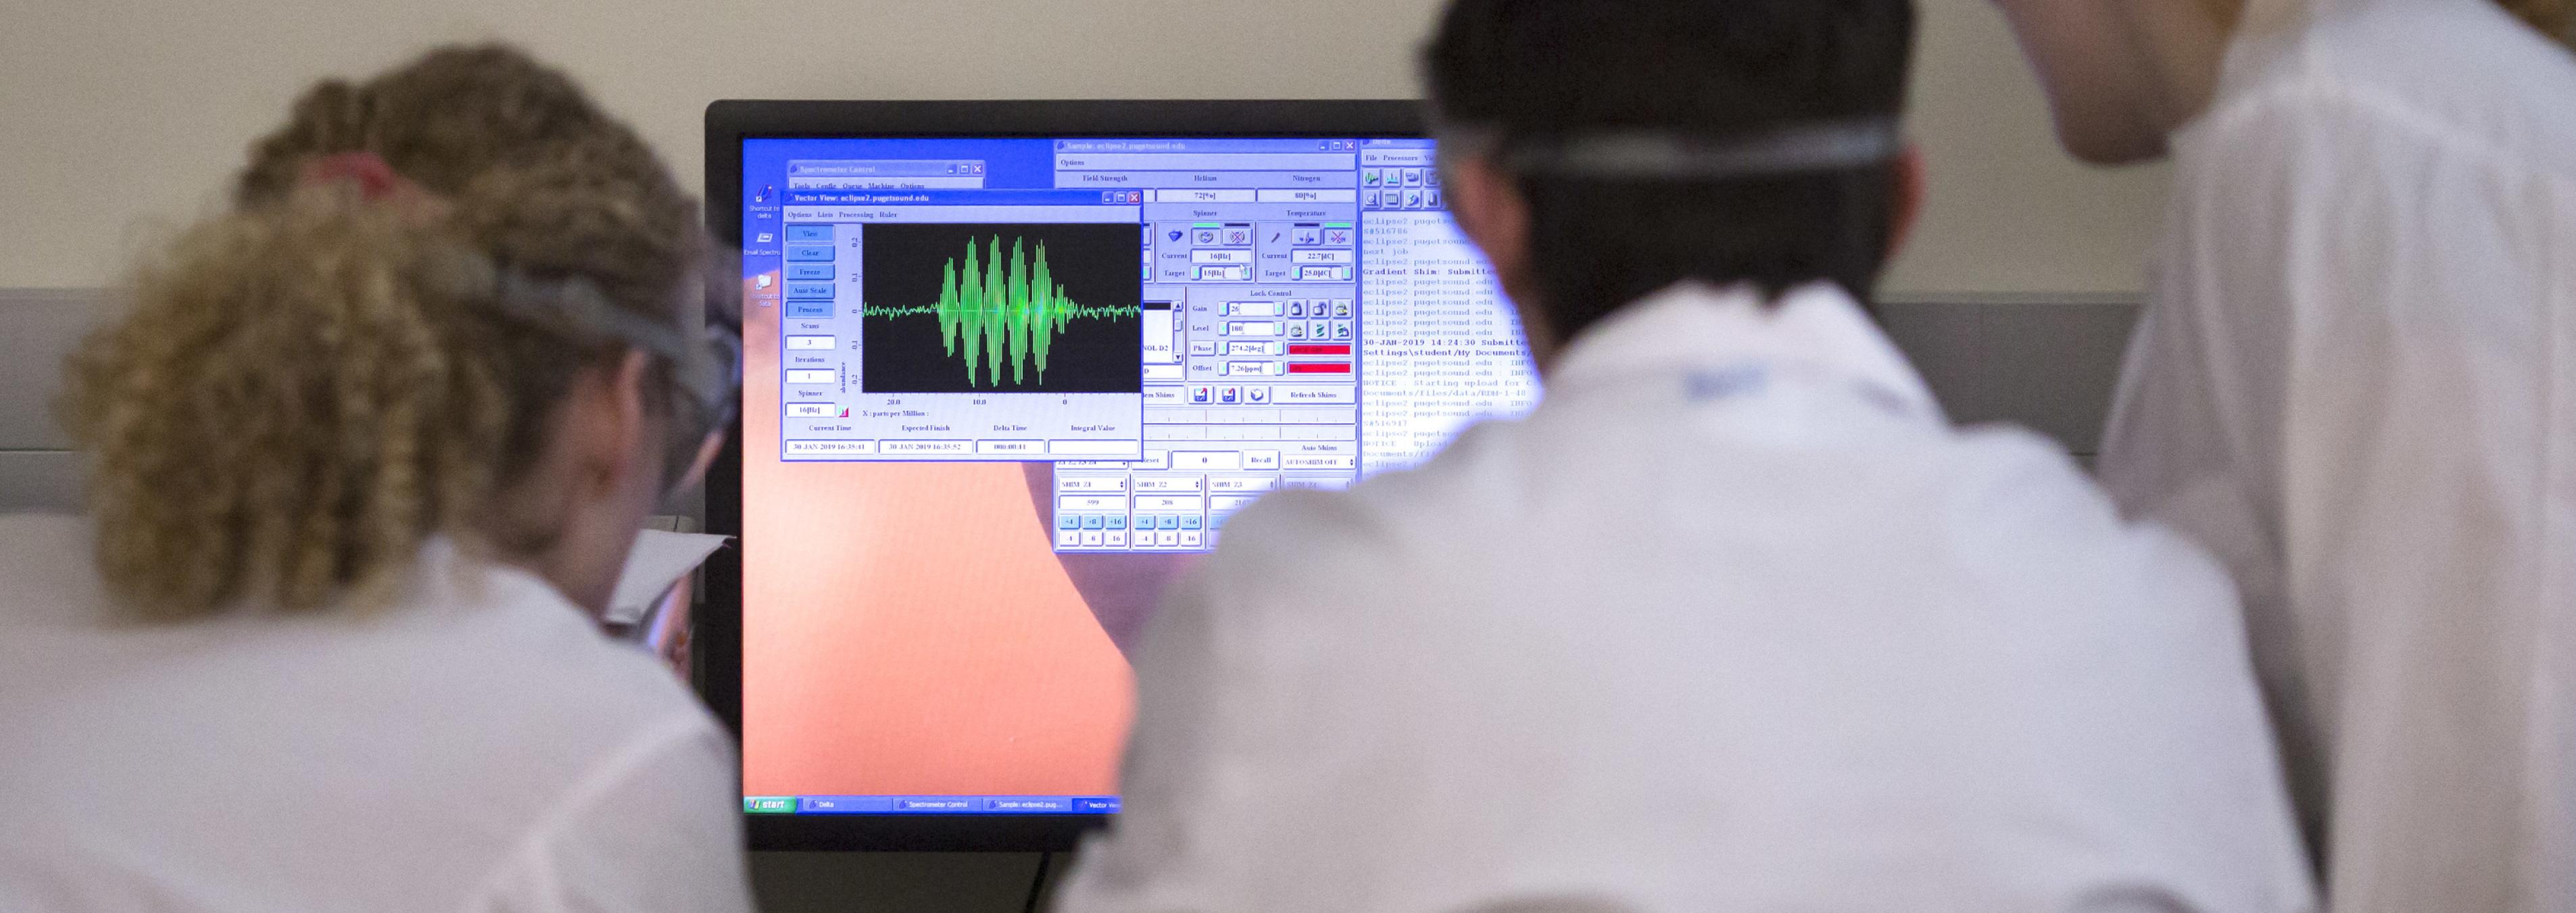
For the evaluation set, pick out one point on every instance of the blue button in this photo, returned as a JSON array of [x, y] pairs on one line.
[[1096, 806], [844, 805], [1117, 523], [1190, 522], [815, 310], [821, 233], [1068, 521], [1168, 521], [1028, 804], [810, 271], [807, 290], [809, 253], [935, 804], [1093, 522]]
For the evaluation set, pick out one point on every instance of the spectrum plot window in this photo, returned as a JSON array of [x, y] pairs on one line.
[[960, 323], [1179, 326]]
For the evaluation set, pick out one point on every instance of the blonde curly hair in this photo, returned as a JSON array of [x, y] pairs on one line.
[[311, 385], [2554, 18]]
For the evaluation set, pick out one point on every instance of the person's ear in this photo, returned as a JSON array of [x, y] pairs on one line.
[[1491, 211], [1905, 199], [708, 451], [1489, 208], [609, 427]]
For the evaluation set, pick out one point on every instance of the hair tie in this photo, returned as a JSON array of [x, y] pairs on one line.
[[376, 180]]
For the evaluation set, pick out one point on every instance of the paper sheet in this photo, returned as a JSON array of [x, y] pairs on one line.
[[659, 560]]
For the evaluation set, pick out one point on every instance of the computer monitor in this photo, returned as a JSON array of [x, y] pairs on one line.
[[1009, 368]]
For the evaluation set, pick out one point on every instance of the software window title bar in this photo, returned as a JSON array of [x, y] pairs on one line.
[[1212, 145]]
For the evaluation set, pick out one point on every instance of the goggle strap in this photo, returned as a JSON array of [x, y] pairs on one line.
[[576, 302], [1665, 155]]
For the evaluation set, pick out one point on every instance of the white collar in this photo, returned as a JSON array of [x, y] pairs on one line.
[[453, 577], [1693, 326]]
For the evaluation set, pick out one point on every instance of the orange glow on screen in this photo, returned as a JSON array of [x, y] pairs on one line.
[[907, 629]]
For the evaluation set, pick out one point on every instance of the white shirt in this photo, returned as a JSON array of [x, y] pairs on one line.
[[1733, 621], [2356, 382], [479, 747]]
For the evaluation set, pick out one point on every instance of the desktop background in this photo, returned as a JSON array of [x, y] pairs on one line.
[[908, 630]]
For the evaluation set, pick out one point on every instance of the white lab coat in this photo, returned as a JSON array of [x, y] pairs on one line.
[[2356, 382], [477, 748], [1733, 621]]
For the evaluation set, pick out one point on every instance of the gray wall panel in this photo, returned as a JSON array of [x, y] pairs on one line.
[[37, 326], [2051, 364], [39, 480]]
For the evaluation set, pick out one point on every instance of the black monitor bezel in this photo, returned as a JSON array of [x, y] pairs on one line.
[[717, 638]]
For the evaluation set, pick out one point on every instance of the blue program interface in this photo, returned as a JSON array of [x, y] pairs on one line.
[[1178, 325]]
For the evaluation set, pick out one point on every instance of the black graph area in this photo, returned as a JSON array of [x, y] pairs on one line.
[[908, 267]]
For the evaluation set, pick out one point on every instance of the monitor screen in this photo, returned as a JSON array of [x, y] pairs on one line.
[[1000, 391]]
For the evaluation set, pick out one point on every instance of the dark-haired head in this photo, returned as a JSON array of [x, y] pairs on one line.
[[1570, 246]]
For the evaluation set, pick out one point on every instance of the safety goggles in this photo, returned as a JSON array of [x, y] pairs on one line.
[[702, 344], [712, 389], [1666, 155]]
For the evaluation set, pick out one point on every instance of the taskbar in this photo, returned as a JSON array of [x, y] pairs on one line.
[[930, 805]]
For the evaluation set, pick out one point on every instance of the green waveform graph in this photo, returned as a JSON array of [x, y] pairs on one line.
[[995, 310]]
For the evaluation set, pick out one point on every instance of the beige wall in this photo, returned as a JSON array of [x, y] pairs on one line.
[[120, 117]]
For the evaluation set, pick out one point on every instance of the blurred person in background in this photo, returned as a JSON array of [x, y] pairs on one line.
[[368, 452], [1736, 619], [2356, 382]]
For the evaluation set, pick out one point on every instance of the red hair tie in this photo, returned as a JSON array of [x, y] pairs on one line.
[[376, 180]]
